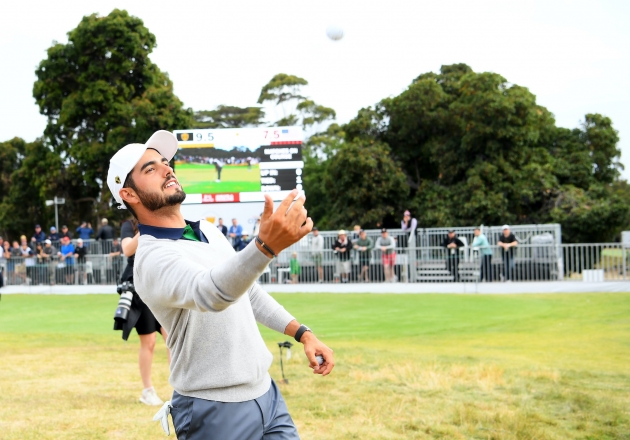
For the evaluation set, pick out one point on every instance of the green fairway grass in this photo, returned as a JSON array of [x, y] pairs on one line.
[[200, 178], [408, 366]]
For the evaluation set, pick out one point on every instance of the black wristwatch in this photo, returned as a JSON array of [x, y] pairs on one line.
[[300, 332]]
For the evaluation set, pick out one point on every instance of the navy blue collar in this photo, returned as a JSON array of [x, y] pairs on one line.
[[171, 233]]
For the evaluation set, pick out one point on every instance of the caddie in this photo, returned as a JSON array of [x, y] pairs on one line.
[[206, 296]]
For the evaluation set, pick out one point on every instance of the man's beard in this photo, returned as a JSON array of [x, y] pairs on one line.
[[156, 201]]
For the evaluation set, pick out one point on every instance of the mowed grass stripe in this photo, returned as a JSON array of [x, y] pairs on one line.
[[408, 366]]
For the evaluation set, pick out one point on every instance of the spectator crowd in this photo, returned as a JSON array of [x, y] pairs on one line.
[[63, 257], [59, 257]]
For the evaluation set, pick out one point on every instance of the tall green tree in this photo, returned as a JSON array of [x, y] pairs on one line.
[[30, 172], [317, 151], [229, 116], [99, 92], [474, 148], [351, 182], [591, 202], [364, 184], [285, 92]]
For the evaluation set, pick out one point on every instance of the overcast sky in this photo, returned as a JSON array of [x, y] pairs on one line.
[[573, 55]]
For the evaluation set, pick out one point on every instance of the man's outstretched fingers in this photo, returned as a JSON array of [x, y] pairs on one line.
[[284, 226], [298, 204], [301, 216], [286, 203], [268, 210], [307, 227]]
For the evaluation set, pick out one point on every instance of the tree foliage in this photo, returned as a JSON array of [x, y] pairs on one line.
[[364, 183], [29, 172], [100, 91], [229, 116], [456, 147], [285, 91], [316, 153], [282, 88], [473, 148]]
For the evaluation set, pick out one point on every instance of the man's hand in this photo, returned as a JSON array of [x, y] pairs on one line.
[[314, 347], [280, 229]]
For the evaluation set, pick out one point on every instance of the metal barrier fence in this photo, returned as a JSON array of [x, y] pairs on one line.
[[528, 262], [423, 238], [50, 271]]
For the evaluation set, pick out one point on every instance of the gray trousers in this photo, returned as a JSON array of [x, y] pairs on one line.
[[265, 418]]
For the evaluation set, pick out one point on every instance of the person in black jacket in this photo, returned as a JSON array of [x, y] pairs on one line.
[[140, 316], [222, 227], [80, 252], [106, 235], [508, 241], [452, 245], [342, 247]]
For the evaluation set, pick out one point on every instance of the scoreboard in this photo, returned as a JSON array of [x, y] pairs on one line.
[[239, 164]]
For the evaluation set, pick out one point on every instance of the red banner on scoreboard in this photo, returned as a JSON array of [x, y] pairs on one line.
[[220, 198], [285, 142]]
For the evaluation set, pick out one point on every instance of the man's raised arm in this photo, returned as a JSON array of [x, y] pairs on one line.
[[183, 283]]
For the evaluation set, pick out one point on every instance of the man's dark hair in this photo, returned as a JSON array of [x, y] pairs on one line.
[[129, 183]]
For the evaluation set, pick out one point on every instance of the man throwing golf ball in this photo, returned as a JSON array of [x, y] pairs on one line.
[[207, 298]]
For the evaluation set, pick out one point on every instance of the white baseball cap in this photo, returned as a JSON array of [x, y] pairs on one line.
[[121, 164], [505, 227]]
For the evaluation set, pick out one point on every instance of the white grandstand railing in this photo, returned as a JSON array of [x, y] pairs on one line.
[[530, 263], [423, 237]]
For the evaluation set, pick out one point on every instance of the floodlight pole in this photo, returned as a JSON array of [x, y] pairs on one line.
[[56, 201]]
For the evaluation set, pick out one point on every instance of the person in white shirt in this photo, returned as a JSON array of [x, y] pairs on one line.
[[218, 165], [409, 225]]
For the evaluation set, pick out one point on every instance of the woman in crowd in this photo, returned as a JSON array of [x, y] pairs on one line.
[[409, 226], [341, 248]]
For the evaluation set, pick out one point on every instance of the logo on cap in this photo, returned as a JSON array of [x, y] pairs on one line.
[[117, 180]]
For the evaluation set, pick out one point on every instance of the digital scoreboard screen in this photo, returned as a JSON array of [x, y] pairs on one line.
[[239, 164]]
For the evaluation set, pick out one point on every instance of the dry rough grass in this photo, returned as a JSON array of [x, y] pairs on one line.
[[540, 377]]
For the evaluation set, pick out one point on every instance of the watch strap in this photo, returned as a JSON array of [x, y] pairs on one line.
[[301, 331]]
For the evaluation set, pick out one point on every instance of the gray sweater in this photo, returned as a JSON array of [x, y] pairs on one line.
[[206, 297]]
